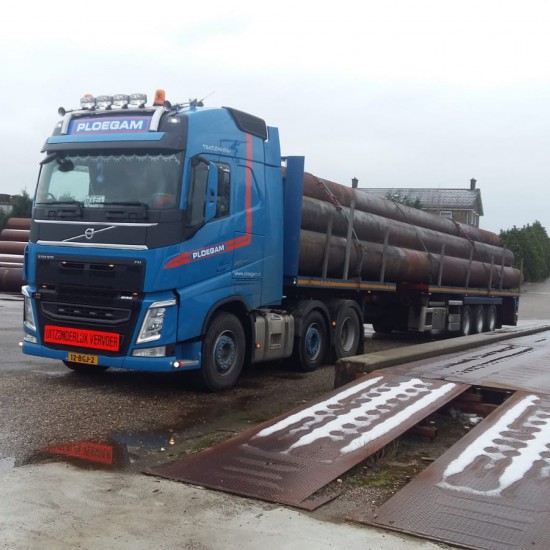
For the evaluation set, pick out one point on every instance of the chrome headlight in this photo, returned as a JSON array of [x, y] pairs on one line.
[[28, 312], [151, 328]]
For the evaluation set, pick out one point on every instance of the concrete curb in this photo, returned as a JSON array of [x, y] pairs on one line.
[[350, 368]]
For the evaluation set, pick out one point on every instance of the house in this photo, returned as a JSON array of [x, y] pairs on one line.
[[460, 205]]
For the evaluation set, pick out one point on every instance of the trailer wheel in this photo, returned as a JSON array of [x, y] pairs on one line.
[[491, 318], [347, 333], [82, 368], [312, 343], [223, 352], [466, 321], [478, 318]]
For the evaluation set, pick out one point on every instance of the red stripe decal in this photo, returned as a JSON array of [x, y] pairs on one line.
[[248, 184]]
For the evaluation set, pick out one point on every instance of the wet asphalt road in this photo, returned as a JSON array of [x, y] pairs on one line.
[[131, 420]]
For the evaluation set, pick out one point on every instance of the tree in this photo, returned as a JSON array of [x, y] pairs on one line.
[[21, 208], [531, 246], [402, 198], [22, 205]]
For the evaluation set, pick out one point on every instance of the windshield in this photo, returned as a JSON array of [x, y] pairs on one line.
[[100, 180]]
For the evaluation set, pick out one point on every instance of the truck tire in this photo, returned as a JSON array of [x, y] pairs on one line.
[[347, 332], [311, 345], [223, 352], [478, 320], [81, 368], [466, 321], [491, 318]]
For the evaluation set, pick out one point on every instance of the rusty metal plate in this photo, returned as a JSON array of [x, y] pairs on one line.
[[287, 459], [490, 490], [518, 364]]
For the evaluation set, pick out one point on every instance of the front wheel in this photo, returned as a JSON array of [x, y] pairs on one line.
[[83, 368], [312, 343], [223, 352]]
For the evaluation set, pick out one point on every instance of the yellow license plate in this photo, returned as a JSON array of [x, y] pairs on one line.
[[82, 358]]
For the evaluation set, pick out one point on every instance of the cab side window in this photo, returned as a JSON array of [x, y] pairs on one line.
[[197, 192], [224, 190]]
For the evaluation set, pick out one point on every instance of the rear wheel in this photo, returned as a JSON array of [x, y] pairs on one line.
[[82, 368], [312, 342], [223, 352], [347, 333], [466, 321], [491, 318], [478, 320]]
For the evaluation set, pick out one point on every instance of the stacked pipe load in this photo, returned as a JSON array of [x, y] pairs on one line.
[[13, 240], [391, 242]]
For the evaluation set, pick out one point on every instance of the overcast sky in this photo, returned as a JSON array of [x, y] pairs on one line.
[[398, 93]]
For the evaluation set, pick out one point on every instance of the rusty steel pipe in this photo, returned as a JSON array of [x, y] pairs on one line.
[[15, 259], [18, 223], [18, 235], [314, 188], [371, 227], [11, 279], [11, 247], [401, 264]]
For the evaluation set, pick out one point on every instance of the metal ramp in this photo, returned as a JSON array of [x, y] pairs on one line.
[[490, 490], [517, 364], [288, 459]]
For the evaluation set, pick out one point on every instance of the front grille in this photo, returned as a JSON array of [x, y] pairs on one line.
[[109, 274], [93, 294], [86, 313]]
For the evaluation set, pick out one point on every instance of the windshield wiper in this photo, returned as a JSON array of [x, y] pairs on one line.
[[63, 209], [132, 210], [127, 203]]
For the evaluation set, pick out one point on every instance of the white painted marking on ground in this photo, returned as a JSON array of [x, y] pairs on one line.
[[504, 443], [323, 406], [368, 416]]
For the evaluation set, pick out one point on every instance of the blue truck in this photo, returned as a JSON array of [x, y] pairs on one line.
[[169, 237]]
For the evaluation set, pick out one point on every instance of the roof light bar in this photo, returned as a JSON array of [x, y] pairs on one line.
[[87, 101], [138, 100], [104, 101], [121, 101]]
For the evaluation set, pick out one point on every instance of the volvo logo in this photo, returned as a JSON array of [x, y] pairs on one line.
[[89, 233]]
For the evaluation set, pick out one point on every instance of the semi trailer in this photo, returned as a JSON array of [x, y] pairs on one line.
[[175, 237]]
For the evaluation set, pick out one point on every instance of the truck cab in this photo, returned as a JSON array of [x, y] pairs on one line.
[[150, 225]]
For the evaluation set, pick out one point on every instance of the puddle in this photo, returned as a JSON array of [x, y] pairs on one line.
[[135, 451]]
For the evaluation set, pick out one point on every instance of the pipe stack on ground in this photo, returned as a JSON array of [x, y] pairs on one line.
[[13, 240], [396, 242]]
